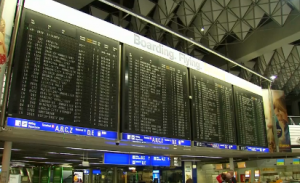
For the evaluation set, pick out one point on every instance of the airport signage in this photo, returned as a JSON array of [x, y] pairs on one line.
[[255, 149], [154, 140], [56, 128], [136, 160], [216, 145]]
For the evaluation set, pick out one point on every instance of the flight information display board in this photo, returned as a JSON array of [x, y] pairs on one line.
[[155, 95], [251, 126], [64, 74], [212, 109]]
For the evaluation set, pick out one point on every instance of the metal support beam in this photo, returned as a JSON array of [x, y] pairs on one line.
[[179, 35], [265, 39]]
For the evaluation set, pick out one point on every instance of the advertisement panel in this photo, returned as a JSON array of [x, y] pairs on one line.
[[6, 27], [188, 174], [269, 121], [279, 124]]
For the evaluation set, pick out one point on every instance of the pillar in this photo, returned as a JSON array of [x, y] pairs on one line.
[[231, 164], [6, 162], [115, 175], [90, 180]]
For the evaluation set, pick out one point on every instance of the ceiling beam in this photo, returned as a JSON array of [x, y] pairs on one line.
[[265, 39]]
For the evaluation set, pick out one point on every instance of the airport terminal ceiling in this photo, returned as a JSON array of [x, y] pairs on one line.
[[260, 34]]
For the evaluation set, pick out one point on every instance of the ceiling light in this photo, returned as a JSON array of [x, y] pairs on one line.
[[1, 148], [273, 77], [96, 163], [35, 158], [74, 160], [202, 29], [74, 148]]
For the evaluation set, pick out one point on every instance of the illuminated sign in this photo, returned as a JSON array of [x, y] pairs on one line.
[[160, 161], [256, 173], [215, 145], [56, 128], [296, 162], [140, 160], [255, 149], [137, 160], [154, 140], [280, 161]]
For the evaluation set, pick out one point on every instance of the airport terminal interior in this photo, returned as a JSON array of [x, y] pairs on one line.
[[150, 91]]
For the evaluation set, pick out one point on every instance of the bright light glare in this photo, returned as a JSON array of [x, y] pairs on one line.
[[202, 29], [273, 77]]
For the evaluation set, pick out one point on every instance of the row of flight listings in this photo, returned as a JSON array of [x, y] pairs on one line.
[[72, 77]]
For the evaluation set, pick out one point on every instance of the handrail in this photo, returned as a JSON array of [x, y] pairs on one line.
[[119, 7]]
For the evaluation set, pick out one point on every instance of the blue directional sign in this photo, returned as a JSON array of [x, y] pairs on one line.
[[215, 145], [66, 129], [161, 161], [154, 140], [256, 149], [142, 160], [136, 160]]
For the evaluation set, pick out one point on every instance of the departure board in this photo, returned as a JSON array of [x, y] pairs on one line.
[[251, 126], [64, 74], [155, 95], [212, 109]]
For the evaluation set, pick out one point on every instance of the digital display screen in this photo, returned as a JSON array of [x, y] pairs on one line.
[[143, 160], [155, 140], [137, 160], [115, 158], [255, 149], [213, 109], [155, 95], [250, 118], [64, 74], [216, 145], [56, 128], [161, 161], [96, 172]]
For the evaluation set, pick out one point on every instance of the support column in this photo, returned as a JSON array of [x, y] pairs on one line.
[[115, 175], [90, 176], [6, 162], [231, 164]]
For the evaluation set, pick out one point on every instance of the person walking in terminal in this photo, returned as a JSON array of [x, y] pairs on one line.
[[224, 178], [233, 179]]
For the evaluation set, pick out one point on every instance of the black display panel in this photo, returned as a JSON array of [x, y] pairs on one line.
[[251, 125], [155, 95], [212, 109], [64, 74]]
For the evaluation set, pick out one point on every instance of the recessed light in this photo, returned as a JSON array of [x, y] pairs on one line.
[[202, 29], [74, 160], [35, 157], [273, 77]]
